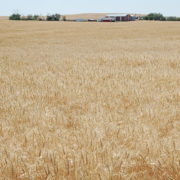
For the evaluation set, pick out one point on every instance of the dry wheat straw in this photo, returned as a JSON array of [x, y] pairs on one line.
[[89, 100]]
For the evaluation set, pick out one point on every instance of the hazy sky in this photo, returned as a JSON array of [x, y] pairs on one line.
[[43, 7]]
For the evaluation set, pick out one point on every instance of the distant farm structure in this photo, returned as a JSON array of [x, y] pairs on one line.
[[79, 20], [114, 18], [106, 19], [110, 18], [92, 20], [122, 17], [103, 17]]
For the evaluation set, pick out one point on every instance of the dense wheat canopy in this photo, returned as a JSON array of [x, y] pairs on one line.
[[89, 100]]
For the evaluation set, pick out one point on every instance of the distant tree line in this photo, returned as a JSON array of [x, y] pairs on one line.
[[31, 18], [53, 17], [56, 17], [155, 16], [15, 16], [173, 19], [159, 17]]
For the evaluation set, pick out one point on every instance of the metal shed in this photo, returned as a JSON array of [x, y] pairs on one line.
[[120, 17], [80, 20], [133, 17]]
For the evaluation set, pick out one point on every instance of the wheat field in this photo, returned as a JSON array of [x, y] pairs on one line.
[[89, 101]]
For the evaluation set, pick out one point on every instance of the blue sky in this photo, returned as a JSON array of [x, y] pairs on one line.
[[43, 7]]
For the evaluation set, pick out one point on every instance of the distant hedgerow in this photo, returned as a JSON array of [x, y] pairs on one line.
[[15, 16], [54, 17]]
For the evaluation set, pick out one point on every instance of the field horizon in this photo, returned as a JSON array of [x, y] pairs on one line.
[[89, 100], [82, 15]]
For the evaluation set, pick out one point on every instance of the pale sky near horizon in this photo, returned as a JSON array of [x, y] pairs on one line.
[[43, 7]]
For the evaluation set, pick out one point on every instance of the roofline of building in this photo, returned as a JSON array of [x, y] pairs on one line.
[[117, 15]]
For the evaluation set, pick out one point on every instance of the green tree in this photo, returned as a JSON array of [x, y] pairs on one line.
[[173, 19], [64, 18], [155, 16], [35, 17], [15, 16], [54, 17]]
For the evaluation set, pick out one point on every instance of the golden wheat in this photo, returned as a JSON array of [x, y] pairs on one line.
[[89, 100]]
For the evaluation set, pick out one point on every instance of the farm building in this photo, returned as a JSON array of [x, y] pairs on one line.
[[133, 18], [92, 20], [122, 17], [106, 20], [79, 20]]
